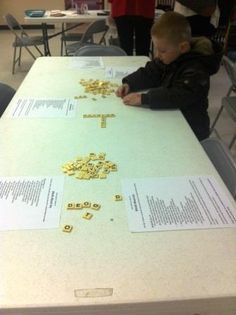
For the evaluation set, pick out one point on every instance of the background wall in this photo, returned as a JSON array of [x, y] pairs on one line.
[[17, 7]]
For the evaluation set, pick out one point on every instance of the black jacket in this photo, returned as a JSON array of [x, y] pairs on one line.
[[183, 84]]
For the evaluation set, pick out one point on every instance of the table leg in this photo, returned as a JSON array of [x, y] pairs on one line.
[[45, 38]]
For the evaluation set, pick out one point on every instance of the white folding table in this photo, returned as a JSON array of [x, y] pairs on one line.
[[101, 267], [69, 16]]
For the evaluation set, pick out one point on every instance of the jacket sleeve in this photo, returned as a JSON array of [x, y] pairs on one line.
[[189, 86], [144, 78]]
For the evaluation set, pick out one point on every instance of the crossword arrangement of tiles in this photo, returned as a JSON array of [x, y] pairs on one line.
[[92, 166], [103, 118]]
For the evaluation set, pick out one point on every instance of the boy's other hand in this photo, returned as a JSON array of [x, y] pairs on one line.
[[122, 90], [133, 99]]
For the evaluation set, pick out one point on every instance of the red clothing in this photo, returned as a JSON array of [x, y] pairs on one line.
[[145, 8]]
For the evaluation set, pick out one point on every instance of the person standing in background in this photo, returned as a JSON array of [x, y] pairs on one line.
[[202, 15], [134, 19]]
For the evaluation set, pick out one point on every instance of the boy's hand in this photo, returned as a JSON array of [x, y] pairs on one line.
[[132, 99], [122, 90]]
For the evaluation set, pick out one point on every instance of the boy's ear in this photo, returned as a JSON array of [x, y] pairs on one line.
[[184, 47]]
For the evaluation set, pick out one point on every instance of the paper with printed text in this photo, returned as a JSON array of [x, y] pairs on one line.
[[43, 108], [195, 202], [30, 202]]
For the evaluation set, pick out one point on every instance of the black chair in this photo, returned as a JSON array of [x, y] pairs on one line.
[[221, 158], [22, 40], [6, 94]]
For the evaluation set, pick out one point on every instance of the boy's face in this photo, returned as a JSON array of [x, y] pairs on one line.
[[164, 50]]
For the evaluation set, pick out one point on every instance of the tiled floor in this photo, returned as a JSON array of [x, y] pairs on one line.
[[219, 83]]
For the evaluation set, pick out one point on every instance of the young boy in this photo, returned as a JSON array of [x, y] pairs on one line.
[[178, 77]]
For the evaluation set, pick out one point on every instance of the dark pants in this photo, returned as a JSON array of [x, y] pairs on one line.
[[201, 26], [134, 29]]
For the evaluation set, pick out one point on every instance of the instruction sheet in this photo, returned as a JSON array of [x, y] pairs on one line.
[[159, 204], [43, 108], [30, 202]]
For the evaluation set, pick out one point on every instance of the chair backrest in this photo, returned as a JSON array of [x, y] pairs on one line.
[[96, 27], [230, 67], [100, 50], [221, 158], [14, 25]]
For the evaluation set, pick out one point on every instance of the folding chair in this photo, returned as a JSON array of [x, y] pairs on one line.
[[69, 37], [221, 158], [76, 37], [100, 50], [96, 27], [22, 39], [228, 103]]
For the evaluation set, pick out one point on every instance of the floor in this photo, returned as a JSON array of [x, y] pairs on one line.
[[219, 82]]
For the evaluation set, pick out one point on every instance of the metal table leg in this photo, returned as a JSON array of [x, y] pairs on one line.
[[45, 38]]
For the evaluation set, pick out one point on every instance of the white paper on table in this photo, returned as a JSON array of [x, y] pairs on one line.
[[43, 108], [178, 203], [118, 73], [86, 62], [30, 202]]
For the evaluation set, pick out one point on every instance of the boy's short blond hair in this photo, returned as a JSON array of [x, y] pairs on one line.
[[173, 27]]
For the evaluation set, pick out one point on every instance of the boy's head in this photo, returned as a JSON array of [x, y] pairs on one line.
[[171, 36]]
